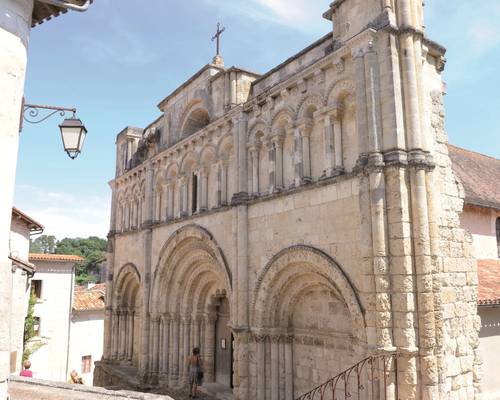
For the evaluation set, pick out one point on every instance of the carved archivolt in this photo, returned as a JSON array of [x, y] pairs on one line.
[[294, 271], [126, 285], [340, 90], [314, 100], [191, 268]]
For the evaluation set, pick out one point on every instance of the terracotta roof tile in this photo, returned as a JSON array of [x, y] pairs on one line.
[[54, 257], [489, 282], [89, 299], [479, 175]]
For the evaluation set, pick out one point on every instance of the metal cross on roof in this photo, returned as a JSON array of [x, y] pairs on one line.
[[217, 36]]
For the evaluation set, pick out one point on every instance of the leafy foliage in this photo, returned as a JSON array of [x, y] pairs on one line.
[[43, 244], [92, 249], [29, 327]]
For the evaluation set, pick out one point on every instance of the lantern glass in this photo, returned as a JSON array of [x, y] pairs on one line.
[[73, 134]]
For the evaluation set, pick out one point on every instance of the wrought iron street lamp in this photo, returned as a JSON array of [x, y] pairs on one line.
[[73, 134], [73, 131]]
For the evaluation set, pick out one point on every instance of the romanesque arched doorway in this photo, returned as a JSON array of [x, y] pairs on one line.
[[127, 316], [191, 307], [307, 322]]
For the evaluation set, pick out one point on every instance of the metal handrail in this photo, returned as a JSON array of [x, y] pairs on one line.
[[367, 379]]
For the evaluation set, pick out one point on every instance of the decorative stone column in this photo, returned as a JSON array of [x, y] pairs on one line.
[[271, 151], [329, 146], [254, 154], [223, 182], [210, 347], [336, 115], [196, 331], [305, 132], [114, 336], [174, 374], [275, 372], [278, 152], [204, 189], [164, 356], [186, 323], [260, 340], [123, 334], [297, 142], [170, 207], [288, 346], [130, 337], [184, 196]]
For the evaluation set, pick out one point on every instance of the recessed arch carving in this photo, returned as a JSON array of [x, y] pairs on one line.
[[295, 263]]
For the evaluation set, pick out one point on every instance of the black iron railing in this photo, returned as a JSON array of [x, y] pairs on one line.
[[373, 378]]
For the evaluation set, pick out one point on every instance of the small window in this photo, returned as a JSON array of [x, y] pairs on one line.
[[36, 326], [498, 236], [36, 288], [86, 364], [194, 193]]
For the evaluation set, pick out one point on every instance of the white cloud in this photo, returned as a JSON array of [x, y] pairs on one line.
[[121, 46], [301, 15], [64, 214]]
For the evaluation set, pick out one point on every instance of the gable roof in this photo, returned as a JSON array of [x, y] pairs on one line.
[[32, 225], [479, 175], [489, 282], [89, 299]]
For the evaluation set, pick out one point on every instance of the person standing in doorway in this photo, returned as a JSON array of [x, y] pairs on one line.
[[195, 371]]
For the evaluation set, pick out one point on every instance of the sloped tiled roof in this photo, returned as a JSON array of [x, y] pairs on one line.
[[479, 175], [54, 257], [91, 299], [489, 282], [30, 222]]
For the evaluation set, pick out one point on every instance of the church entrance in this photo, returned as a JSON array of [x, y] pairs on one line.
[[223, 345]]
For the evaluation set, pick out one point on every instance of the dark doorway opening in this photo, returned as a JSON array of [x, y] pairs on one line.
[[223, 345]]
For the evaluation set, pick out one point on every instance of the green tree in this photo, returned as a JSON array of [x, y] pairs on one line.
[[92, 249], [43, 244]]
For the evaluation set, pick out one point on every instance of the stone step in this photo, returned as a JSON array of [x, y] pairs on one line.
[[217, 390]]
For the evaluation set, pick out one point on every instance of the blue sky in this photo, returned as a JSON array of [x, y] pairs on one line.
[[115, 63]]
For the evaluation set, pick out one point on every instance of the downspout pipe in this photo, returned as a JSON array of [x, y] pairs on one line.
[[67, 5]]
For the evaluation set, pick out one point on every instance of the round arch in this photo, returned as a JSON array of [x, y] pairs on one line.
[[292, 271], [189, 252]]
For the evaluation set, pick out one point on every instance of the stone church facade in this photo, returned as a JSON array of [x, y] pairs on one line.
[[292, 223]]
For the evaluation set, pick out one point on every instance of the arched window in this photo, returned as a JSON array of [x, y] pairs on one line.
[[196, 120], [498, 236]]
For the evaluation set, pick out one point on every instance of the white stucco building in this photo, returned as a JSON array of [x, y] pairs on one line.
[[22, 227], [87, 330], [54, 280], [480, 177]]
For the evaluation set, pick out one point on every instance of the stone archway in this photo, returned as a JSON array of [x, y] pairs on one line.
[[126, 319], [307, 321], [190, 282]]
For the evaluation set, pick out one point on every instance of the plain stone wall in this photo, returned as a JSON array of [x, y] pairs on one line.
[[87, 332], [489, 343], [480, 222], [15, 24], [49, 361], [19, 246]]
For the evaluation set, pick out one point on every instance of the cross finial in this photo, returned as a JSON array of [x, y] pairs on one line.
[[216, 37]]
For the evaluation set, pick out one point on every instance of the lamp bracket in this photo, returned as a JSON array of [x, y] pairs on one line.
[[31, 113]]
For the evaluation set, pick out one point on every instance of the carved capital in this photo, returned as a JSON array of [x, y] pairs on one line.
[[337, 111], [305, 127]]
